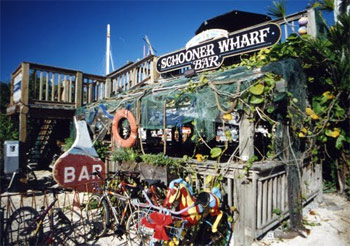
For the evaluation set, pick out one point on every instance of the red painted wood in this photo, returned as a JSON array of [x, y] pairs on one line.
[[74, 171]]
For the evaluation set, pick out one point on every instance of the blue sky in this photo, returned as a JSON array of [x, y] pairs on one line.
[[72, 34]]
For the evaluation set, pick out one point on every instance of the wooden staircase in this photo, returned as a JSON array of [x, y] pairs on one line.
[[43, 138]]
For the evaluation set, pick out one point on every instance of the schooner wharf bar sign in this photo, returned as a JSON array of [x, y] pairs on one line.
[[211, 54]]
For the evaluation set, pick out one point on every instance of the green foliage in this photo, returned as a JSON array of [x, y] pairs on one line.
[[102, 149], [7, 132], [325, 125], [215, 152], [325, 5], [4, 96], [68, 142], [277, 211], [278, 9], [124, 154], [158, 160], [249, 163]]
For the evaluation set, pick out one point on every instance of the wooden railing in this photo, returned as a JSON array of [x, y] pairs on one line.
[[42, 84], [134, 74]]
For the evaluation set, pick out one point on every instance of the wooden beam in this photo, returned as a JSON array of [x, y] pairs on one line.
[[108, 88], [53, 87], [311, 24], [47, 87], [154, 74], [246, 138], [41, 86], [59, 88], [24, 102], [78, 89]]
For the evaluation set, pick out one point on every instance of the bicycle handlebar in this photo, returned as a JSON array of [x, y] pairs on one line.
[[144, 193]]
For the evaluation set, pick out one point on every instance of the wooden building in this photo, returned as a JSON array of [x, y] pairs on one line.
[[45, 98]]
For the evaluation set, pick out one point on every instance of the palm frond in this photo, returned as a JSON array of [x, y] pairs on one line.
[[278, 10], [324, 5]]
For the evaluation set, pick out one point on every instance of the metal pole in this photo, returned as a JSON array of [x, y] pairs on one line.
[[108, 49]]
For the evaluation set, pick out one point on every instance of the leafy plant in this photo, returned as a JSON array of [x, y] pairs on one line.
[[102, 149], [68, 142], [124, 154]]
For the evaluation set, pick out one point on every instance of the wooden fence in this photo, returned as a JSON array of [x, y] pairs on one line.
[[261, 195]]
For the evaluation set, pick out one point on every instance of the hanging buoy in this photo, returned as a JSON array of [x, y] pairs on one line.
[[132, 136], [303, 21], [302, 30]]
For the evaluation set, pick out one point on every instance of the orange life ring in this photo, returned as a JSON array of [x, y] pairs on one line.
[[130, 141]]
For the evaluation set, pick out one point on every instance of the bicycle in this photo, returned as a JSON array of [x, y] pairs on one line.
[[108, 204], [115, 200], [140, 224], [26, 227], [141, 234]]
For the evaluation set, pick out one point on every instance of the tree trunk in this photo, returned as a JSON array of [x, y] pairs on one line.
[[293, 178]]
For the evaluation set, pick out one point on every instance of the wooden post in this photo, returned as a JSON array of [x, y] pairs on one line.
[[246, 138], [34, 86], [311, 24], [47, 87], [70, 89], [108, 88], [230, 192], [90, 93], [65, 89], [24, 102], [319, 178], [78, 90], [59, 88], [245, 202], [41, 86], [53, 87], [154, 74]]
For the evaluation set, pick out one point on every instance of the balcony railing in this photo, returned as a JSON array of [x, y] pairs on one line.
[[40, 85]]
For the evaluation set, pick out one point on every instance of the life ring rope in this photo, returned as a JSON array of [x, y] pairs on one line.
[[120, 141]]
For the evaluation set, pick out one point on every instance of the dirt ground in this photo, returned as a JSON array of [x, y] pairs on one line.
[[329, 225]]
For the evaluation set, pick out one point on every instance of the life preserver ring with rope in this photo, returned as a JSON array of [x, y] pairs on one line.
[[120, 141]]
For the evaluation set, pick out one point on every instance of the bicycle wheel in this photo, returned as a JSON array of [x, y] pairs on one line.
[[98, 215], [137, 234], [21, 227]]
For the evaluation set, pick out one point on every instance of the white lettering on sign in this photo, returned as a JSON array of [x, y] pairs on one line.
[[84, 174], [188, 56], [69, 174], [206, 62], [199, 55], [204, 56], [263, 34]]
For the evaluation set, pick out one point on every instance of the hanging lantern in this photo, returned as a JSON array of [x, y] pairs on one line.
[[303, 21], [302, 30]]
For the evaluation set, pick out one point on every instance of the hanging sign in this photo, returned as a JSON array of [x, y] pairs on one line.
[[17, 88], [74, 168], [210, 55]]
